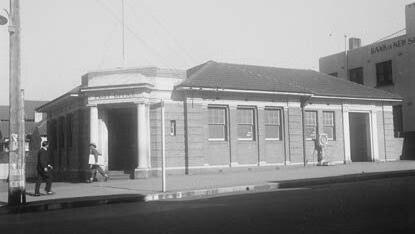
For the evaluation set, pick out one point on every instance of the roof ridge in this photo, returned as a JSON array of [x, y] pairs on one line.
[[274, 81], [356, 84], [203, 67], [261, 66]]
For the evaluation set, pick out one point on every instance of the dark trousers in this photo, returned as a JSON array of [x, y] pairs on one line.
[[94, 169], [43, 176]]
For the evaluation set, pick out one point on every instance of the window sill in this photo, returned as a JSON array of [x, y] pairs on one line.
[[217, 139], [272, 139], [384, 85], [245, 140]]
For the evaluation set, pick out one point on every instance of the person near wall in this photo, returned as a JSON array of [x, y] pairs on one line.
[[44, 170], [95, 159]]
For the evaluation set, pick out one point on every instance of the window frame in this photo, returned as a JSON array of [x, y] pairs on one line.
[[315, 125], [331, 126], [172, 127], [252, 124], [335, 74], [69, 133], [397, 112], [381, 71], [357, 70], [279, 124], [224, 124]]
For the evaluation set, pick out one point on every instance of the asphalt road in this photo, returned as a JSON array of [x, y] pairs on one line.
[[377, 206]]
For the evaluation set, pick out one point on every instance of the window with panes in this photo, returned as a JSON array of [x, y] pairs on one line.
[[246, 123], [217, 123], [384, 73], [310, 124], [272, 122], [356, 75], [329, 125], [397, 120]]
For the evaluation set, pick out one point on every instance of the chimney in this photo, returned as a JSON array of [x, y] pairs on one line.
[[354, 43], [410, 18]]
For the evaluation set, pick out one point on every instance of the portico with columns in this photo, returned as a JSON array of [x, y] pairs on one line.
[[115, 109], [119, 117]]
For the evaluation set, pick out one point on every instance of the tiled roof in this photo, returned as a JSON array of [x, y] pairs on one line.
[[29, 128], [29, 107], [43, 107], [259, 78]]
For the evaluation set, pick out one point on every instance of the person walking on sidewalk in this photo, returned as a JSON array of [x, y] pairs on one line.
[[94, 156], [44, 170]]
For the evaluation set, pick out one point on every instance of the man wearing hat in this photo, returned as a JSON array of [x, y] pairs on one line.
[[94, 163], [44, 170]]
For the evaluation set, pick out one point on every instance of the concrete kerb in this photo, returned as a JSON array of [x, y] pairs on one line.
[[344, 178], [77, 202], [66, 203], [210, 192], [278, 185]]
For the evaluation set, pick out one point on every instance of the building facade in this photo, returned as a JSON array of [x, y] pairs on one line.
[[386, 65], [35, 128], [218, 116]]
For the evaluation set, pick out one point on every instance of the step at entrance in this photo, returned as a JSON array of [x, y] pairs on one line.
[[118, 175]]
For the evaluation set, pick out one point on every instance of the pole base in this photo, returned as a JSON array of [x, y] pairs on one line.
[[142, 173]]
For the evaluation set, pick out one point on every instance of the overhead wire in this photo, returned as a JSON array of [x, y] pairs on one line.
[[181, 51], [106, 45], [172, 36], [176, 40], [119, 22], [388, 36], [135, 35]]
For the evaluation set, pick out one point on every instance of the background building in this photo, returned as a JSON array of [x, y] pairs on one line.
[[218, 116], [386, 65], [35, 128]]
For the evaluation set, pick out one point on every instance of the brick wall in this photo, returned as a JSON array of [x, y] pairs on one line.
[[174, 144], [393, 145], [334, 151], [196, 134], [243, 152], [295, 131], [270, 151]]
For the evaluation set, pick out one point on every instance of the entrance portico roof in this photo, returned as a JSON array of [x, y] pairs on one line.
[[121, 84]]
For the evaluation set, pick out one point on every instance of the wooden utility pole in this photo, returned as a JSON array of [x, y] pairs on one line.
[[17, 179]]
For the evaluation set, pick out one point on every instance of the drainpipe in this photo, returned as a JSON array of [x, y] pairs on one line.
[[303, 104], [384, 133], [163, 148], [344, 136]]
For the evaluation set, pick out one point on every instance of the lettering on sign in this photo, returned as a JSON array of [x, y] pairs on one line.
[[13, 142], [392, 45]]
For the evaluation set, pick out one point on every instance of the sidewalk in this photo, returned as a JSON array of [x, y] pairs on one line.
[[181, 186]]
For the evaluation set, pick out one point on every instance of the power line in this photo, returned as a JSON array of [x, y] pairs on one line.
[[135, 35], [174, 39], [388, 36], [106, 45]]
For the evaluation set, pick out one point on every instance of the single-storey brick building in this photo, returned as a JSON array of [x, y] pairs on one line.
[[217, 116]]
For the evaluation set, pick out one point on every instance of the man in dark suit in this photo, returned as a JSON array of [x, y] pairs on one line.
[[44, 170]]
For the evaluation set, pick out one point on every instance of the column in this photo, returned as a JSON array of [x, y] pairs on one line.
[[93, 125], [103, 136], [148, 124], [346, 136], [374, 135], [142, 135]]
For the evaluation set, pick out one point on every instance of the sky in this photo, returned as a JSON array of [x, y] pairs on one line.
[[62, 40]]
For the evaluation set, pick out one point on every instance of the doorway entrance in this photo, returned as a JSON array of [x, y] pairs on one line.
[[122, 139], [360, 144]]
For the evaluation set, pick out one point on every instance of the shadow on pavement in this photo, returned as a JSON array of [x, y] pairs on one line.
[[63, 203], [342, 178]]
